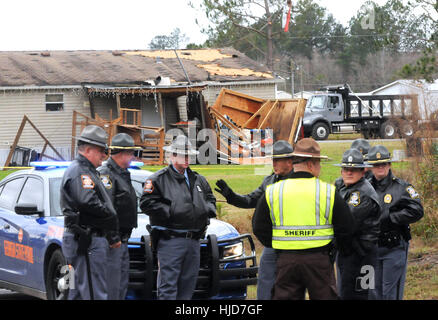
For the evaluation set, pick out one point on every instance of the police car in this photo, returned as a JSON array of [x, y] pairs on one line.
[[32, 225]]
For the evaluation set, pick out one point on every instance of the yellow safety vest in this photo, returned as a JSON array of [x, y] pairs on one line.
[[301, 213]]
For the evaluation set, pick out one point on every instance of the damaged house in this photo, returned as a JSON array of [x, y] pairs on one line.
[[156, 89]]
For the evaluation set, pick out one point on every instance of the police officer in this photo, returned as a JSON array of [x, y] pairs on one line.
[[283, 169], [300, 217], [401, 206], [179, 203], [90, 221], [363, 146], [117, 181], [363, 202]]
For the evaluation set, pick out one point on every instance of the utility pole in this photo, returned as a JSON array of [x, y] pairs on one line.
[[292, 76]]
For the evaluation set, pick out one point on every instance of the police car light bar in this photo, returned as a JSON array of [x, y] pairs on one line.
[[41, 165]]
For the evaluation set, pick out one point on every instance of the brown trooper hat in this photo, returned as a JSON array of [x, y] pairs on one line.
[[308, 148]]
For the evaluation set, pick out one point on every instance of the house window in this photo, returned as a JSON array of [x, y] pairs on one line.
[[54, 102]]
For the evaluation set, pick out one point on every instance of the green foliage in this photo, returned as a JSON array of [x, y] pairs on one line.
[[254, 27], [424, 68], [426, 183], [173, 41]]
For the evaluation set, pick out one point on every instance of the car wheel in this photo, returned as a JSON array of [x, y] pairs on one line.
[[388, 130], [320, 131], [54, 275]]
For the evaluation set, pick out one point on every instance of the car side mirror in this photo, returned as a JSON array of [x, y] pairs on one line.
[[27, 209]]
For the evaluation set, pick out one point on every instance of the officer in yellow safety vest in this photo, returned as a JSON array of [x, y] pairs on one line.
[[300, 218]]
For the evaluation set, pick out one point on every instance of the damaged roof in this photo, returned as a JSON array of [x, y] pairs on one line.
[[35, 68]]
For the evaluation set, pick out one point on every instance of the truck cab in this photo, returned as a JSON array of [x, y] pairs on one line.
[[322, 110]]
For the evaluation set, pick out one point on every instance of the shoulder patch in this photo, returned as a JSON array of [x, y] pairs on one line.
[[387, 198], [106, 181], [87, 182], [148, 186], [354, 199], [414, 194]]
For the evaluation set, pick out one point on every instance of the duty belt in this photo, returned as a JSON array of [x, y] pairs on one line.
[[94, 232], [196, 235]]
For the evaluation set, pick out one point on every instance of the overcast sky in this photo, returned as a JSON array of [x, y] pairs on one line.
[[110, 24]]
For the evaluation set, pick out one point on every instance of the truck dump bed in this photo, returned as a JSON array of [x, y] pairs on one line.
[[372, 106]]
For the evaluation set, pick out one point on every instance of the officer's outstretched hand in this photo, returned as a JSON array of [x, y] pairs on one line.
[[224, 189]]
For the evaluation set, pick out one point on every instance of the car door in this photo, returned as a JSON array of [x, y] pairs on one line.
[[34, 229], [335, 111], [12, 269]]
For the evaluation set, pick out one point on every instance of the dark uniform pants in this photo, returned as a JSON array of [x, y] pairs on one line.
[[267, 272], [349, 271], [97, 255], [297, 272], [178, 268], [391, 271], [118, 272]]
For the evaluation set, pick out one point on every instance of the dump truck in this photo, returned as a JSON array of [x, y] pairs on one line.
[[336, 109]]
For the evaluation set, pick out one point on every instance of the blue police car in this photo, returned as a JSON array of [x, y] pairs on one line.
[[32, 225]]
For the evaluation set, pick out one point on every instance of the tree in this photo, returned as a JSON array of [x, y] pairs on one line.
[[175, 40], [252, 19], [426, 67]]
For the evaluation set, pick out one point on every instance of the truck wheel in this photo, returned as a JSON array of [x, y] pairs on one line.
[[320, 131], [407, 129], [53, 275], [388, 130]]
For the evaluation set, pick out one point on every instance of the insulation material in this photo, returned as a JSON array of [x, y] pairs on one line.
[[198, 55], [215, 69]]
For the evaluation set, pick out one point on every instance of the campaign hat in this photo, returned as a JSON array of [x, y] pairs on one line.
[[352, 158], [94, 135]]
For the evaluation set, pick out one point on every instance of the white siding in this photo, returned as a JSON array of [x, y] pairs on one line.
[[56, 126]]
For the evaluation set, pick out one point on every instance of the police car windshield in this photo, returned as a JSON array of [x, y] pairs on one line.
[[54, 189]]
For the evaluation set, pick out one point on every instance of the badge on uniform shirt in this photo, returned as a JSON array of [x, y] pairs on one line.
[[87, 182], [199, 188], [148, 186], [354, 199], [414, 194], [387, 198], [106, 181]]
